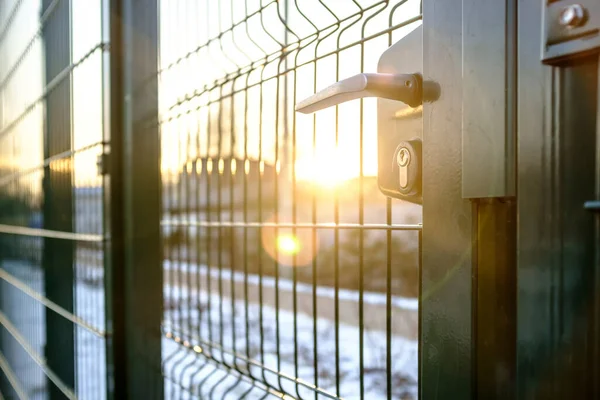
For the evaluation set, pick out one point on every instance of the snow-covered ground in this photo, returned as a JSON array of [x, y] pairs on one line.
[[212, 343], [229, 325], [28, 316]]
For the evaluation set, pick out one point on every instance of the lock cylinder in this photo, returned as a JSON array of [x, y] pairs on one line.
[[406, 166]]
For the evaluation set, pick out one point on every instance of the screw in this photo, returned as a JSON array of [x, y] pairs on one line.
[[572, 16], [403, 157]]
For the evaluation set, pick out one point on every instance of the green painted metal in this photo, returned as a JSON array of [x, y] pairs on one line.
[[58, 209], [447, 362], [559, 269], [140, 155]]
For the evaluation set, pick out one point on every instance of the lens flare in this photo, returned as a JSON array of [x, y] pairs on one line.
[[290, 247], [288, 244]]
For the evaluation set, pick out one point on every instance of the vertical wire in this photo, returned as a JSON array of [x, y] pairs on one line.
[[260, 219], [208, 208], [245, 210], [388, 300], [336, 244], [314, 246], [294, 210], [74, 200], [361, 220], [276, 203], [179, 198], [199, 174], [294, 232], [188, 179], [171, 194], [219, 195], [233, 231]]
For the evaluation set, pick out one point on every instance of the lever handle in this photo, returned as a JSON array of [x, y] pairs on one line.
[[406, 88]]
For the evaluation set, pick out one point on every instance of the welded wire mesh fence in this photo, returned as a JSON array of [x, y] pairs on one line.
[[286, 272], [51, 213]]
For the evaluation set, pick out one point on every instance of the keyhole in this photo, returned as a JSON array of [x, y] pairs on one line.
[[403, 157]]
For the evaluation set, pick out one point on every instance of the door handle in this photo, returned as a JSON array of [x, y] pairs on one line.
[[399, 113], [406, 88]]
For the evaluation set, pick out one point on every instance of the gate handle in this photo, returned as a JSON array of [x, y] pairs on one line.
[[406, 88]]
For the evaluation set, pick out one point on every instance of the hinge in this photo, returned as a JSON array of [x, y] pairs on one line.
[[102, 163], [570, 29]]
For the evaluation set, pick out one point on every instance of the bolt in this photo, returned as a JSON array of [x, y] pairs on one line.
[[572, 16], [403, 157]]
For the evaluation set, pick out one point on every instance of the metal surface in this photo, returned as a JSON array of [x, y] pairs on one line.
[[446, 307], [558, 272], [138, 299], [489, 99], [233, 248], [399, 125], [400, 87], [570, 29]]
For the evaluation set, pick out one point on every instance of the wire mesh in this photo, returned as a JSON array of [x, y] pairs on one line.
[[53, 334], [286, 272]]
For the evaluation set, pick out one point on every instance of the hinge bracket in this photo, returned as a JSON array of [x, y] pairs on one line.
[[570, 29]]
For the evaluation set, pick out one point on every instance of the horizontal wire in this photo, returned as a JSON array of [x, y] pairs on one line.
[[12, 378], [47, 162], [10, 19], [325, 225], [216, 84], [52, 85], [212, 345], [24, 231], [49, 10], [255, 382], [4, 321], [50, 304]]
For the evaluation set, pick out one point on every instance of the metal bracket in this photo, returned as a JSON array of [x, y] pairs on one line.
[[103, 163], [570, 29]]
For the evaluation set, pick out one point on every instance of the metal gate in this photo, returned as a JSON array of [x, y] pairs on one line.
[[171, 227]]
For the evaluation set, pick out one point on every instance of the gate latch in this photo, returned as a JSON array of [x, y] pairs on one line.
[[570, 29], [401, 87], [399, 113]]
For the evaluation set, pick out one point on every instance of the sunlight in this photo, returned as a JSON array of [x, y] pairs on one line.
[[288, 244], [332, 167]]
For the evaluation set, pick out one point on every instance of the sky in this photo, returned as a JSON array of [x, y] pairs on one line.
[[258, 120]]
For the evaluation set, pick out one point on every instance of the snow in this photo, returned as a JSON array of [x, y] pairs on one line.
[[212, 322], [286, 284], [219, 327], [224, 322]]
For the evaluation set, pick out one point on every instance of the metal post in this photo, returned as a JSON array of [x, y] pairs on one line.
[[58, 256], [116, 347], [136, 252], [446, 288]]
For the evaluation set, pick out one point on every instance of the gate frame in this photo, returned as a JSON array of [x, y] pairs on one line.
[[134, 273], [510, 304]]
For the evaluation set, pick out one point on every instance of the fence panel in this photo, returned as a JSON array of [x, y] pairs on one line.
[[286, 271], [51, 217]]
